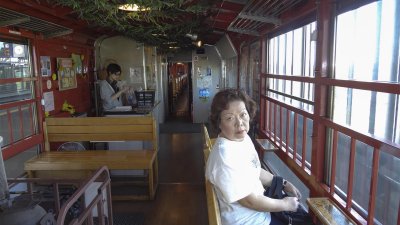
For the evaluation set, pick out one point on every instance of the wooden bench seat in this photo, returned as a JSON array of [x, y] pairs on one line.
[[80, 164], [214, 216], [327, 212]]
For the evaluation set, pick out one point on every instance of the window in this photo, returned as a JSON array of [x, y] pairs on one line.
[[377, 26], [18, 105], [290, 66], [367, 52], [293, 54], [359, 134]]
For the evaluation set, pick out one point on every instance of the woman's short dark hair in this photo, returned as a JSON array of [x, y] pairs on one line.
[[221, 101], [113, 68]]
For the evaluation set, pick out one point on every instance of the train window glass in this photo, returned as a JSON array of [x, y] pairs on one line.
[[375, 25], [243, 73], [372, 113], [297, 94], [294, 132], [362, 165], [17, 123], [368, 112], [18, 111], [16, 91], [388, 189], [254, 72], [292, 53]]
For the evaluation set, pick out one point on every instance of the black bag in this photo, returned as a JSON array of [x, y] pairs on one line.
[[300, 217]]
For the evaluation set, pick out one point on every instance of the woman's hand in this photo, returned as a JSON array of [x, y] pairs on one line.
[[292, 203], [291, 189]]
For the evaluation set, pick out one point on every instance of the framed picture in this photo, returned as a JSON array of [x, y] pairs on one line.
[[45, 66], [66, 74]]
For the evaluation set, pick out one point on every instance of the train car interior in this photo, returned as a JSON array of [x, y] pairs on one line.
[[325, 76]]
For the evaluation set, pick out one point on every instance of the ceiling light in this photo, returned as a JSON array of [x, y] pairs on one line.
[[133, 8], [197, 43]]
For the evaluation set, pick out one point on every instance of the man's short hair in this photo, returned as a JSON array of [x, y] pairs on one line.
[[113, 68]]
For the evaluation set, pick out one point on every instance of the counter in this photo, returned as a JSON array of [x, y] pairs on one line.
[[129, 110]]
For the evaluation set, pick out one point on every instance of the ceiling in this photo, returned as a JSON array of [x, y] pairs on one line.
[[166, 26]]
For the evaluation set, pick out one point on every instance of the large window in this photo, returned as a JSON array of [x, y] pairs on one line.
[[293, 54], [290, 66], [372, 34], [356, 129], [289, 98], [367, 52], [18, 104]]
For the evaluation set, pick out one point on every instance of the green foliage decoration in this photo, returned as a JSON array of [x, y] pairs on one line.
[[167, 21]]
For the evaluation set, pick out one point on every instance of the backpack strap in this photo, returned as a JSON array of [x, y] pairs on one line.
[[278, 192]]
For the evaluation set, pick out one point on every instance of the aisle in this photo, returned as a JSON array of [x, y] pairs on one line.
[[180, 199]]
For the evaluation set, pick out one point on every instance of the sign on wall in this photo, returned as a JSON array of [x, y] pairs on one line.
[[66, 74], [204, 82], [45, 66]]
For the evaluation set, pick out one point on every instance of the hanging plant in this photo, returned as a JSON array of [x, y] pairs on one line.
[[164, 21]]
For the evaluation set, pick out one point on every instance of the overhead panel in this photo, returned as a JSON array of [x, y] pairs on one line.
[[257, 13], [19, 20]]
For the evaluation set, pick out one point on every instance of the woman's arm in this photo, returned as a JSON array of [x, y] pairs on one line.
[[266, 177], [264, 204]]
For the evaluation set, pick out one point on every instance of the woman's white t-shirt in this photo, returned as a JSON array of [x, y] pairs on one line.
[[234, 169]]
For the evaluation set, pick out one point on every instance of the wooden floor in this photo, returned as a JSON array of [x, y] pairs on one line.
[[180, 198]]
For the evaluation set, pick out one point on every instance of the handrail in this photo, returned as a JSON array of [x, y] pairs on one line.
[[103, 175]]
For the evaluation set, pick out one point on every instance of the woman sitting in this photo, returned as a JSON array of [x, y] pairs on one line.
[[234, 168]]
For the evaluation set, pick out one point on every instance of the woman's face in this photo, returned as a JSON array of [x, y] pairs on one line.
[[235, 121]]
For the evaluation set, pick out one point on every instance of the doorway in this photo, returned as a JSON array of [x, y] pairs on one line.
[[180, 91]]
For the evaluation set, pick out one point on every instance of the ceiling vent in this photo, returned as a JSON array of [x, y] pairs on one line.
[[257, 13], [47, 29]]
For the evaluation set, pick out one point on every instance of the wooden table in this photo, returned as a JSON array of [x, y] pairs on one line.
[[327, 212], [80, 164]]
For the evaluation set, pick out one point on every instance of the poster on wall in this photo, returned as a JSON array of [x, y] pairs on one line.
[[136, 75], [204, 83], [204, 94], [48, 101], [77, 63], [66, 74], [45, 65]]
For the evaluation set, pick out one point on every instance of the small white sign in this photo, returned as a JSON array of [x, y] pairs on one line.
[[48, 101]]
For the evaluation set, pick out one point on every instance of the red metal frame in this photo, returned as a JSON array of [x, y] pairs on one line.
[[101, 175], [322, 123], [17, 146]]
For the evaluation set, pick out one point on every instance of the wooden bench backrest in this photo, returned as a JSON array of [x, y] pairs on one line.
[[140, 128], [214, 216]]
